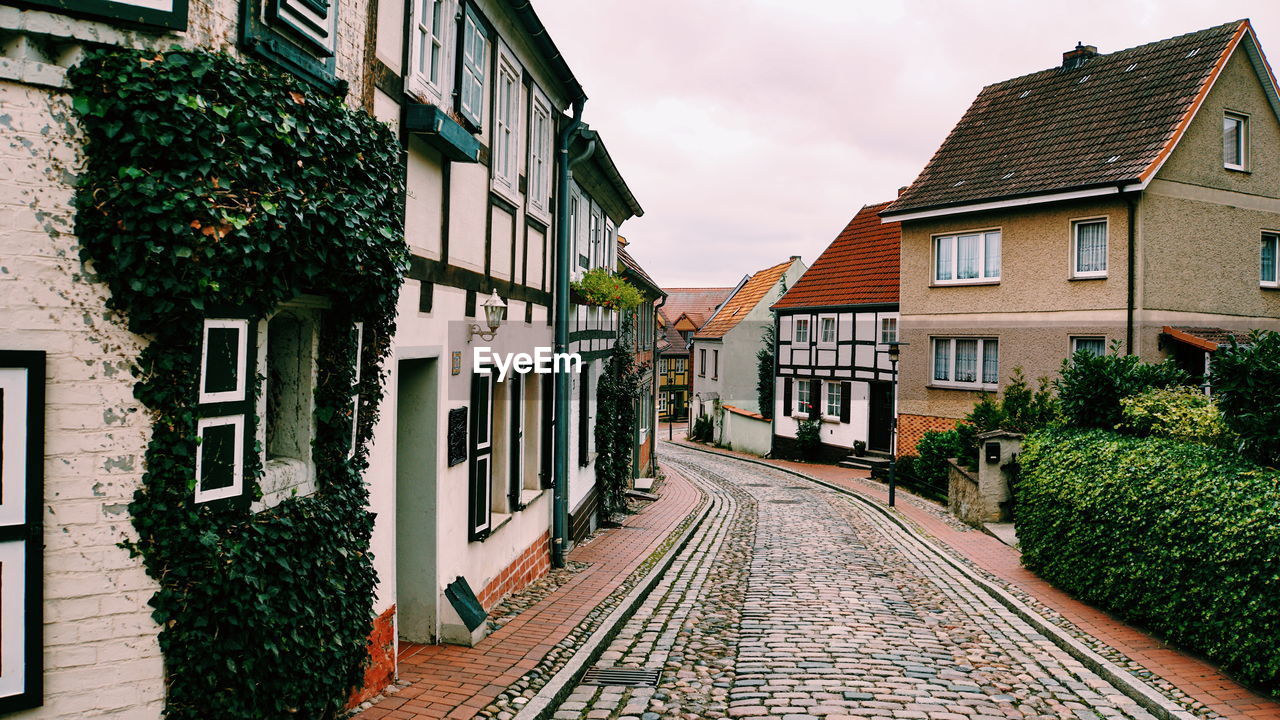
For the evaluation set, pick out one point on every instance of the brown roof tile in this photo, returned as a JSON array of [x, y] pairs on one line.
[[698, 302], [1206, 338], [742, 302], [1112, 120], [859, 267]]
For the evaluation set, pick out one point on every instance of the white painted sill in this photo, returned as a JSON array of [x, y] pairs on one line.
[[969, 388], [964, 283]]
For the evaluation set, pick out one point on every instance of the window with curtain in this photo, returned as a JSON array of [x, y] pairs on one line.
[[1091, 345], [966, 362], [971, 257], [1270, 249], [1091, 248]]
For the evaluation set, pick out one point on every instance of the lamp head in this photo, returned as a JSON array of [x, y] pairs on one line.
[[895, 350], [494, 310]]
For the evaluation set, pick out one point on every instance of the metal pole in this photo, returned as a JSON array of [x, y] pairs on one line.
[[893, 436], [560, 450]]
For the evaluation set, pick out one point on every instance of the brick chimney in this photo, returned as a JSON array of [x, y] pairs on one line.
[[1073, 59]]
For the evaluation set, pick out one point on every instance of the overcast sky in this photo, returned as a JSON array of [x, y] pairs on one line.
[[751, 130]]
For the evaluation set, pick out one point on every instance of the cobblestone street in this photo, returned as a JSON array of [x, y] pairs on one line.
[[793, 601]]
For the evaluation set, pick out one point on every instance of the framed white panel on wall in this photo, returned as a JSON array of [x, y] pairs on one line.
[[220, 458], [171, 14], [224, 360], [22, 378]]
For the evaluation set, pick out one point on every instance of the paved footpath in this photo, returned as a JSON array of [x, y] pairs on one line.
[[795, 602]]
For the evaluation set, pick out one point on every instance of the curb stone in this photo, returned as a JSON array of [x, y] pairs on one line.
[[1139, 692], [558, 687]]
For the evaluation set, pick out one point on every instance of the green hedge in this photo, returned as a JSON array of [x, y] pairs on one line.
[[1179, 537]]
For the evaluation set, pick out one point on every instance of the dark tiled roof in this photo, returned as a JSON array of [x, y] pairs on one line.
[[860, 266], [629, 264], [742, 302], [1113, 119], [670, 341], [1206, 338]]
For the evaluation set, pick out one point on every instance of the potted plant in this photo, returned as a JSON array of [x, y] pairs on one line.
[[859, 448]]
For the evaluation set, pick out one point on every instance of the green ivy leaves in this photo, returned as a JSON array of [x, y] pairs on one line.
[[211, 184]]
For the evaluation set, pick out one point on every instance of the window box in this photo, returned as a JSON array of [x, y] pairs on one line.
[[442, 132]]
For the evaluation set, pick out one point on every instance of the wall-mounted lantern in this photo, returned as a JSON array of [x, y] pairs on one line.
[[494, 312]]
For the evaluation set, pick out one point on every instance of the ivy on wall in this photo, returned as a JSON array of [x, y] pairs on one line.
[[212, 185], [617, 393]]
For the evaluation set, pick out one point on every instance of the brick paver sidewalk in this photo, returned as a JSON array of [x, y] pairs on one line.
[[449, 681], [1194, 676]]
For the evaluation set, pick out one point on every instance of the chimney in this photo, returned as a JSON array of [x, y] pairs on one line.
[[1073, 59], [795, 257], [902, 190], [622, 242]]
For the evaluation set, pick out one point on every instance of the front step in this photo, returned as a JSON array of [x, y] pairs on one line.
[[870, 460]]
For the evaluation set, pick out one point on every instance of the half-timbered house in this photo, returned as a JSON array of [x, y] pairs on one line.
[[833, 330]]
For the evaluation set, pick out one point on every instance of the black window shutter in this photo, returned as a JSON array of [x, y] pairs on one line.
[[844, 401], [815, 399], [515, 483], [224, 410], [786, 397]]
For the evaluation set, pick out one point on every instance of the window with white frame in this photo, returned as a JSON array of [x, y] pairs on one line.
[[715, 364], [475, 65], [966, 257], [888, 330], [1089, 248], [1270, 250], [702, 362], [541, 130], [1092, 345], [577, 224], [803, 405], [966, 362], [801, 334], [427, 49], [506, 124], [832, 408], [827, 327], [1235, 141]]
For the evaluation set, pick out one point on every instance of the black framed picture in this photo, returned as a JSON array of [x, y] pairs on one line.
[[22, 378]]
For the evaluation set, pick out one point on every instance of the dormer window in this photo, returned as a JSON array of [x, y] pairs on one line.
[[1235, 141]]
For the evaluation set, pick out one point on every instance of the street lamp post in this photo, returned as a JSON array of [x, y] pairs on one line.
[[895, 349]]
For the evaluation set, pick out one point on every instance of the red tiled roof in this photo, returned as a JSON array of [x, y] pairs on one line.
[[697, 302], [742, 302], [859, 267], [1112, 120]]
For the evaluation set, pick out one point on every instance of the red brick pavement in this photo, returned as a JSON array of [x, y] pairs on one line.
[[449, 681], [1192, 675]]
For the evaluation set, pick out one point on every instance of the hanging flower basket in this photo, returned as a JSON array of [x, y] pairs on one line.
[[601, 288]]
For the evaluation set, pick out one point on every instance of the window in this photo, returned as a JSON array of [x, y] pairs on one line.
[[966, 362], [888, 330], [475, 58], [427, 47], [288, 404], [1090, 248], [832, 408], [1091, 345], [715, 364], [577, 206], [803, 406], [1235, 141], [480, 492], [1270, 249], [506, 130], [702, 363], [540, 142], [966, 258], [828, 328], [802, 331], [22, 408]]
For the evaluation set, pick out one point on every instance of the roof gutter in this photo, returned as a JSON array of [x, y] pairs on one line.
[[532, 24], [1012, 202]]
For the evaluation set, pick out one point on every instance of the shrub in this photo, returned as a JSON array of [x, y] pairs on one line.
[[765, 357], [1020, 409], [1246, 383], [1181, 413], [1091, 387], [934, 449], [1179, 537], [702, 429], [808, 439]]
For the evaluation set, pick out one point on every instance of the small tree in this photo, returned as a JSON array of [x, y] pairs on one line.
[[764, 371], [616, 397], [1091, 387], [1246, 383]]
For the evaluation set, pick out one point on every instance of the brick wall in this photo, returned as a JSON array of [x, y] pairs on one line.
[[382, 658], [912, 427], [533, 563]]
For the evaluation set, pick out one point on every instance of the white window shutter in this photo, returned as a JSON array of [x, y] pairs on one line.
[[224, 424]]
